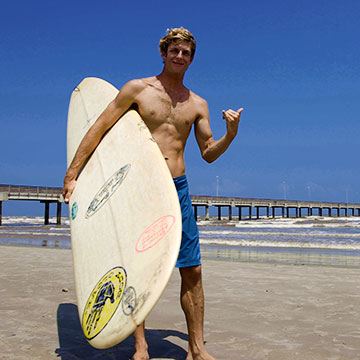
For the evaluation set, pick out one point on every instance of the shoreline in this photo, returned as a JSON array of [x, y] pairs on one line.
[[281, 256], [326, 241]]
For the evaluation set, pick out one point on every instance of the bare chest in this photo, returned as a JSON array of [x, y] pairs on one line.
[[160, 108]]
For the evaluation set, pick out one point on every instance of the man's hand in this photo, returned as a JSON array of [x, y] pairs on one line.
[[232, 119], [69, 186]]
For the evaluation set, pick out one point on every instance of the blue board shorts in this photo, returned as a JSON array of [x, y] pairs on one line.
[[189, 254]]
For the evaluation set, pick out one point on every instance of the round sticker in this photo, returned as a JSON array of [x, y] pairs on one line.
[[103, 302], [129, 300]]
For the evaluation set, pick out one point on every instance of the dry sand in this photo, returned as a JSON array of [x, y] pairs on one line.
[[253, 311]]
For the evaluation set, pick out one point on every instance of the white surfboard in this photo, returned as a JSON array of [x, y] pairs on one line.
[[125, 220]]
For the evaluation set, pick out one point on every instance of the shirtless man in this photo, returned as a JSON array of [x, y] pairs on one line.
[[169, 110]]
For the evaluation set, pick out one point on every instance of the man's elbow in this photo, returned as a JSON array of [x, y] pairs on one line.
[[208, 158]]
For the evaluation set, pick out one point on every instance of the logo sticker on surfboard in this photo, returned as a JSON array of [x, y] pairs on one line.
[[74, 210], [129, 300], [103, 302], [154, 233], [107, 190]]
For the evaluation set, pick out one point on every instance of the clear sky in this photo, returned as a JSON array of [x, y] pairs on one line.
[[294, 65]]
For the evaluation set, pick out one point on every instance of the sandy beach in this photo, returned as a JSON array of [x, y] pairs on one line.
[[253, 311]]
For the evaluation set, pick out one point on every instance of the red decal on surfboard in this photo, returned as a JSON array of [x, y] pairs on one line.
[[154, 233]]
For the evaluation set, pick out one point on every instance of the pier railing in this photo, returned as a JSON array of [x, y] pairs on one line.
[[41, 193], [202, 200]]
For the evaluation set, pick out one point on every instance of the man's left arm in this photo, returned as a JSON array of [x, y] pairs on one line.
[[211, 149]]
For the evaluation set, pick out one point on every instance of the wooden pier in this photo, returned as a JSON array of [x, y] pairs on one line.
[[46, 195], [49, 195], [300, 208]]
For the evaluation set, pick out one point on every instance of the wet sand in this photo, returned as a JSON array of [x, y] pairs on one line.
[[253, 311]]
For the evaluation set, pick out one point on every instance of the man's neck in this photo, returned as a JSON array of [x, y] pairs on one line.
[[171, 81]]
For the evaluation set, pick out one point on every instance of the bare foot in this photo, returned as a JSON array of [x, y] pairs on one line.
[[200, 356], [141, 355]]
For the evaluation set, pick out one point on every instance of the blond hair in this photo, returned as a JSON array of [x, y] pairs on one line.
[[177, 34]]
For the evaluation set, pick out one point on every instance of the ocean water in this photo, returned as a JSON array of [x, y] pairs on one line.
[[312, 240], [314, 232], [303, 241]]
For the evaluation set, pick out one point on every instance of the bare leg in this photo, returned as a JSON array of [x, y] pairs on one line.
[[141, 347], [192, 302]]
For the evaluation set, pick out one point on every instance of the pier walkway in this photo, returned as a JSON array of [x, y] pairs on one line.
[[48, 195]]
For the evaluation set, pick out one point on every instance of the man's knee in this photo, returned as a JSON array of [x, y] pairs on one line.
[[191, 274]]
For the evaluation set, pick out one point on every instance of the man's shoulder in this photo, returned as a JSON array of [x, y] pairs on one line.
[[198, 100], [137, 85]]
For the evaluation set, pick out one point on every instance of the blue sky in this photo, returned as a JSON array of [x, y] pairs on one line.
[[293, 65]]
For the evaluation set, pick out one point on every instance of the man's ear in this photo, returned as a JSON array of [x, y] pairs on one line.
[[163, 55]]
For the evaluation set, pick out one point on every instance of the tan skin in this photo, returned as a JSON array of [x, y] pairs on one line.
[[169, 110]]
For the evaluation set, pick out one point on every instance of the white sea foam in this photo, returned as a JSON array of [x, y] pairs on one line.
[[285, 234], [23, 220], [32, 233], [308, 222], [32, 220], [277, 244]]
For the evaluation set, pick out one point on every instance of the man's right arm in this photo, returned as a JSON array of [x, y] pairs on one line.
[[211, 149], [122, 102]]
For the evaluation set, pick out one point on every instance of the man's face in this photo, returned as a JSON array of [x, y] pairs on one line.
[[178, 56]]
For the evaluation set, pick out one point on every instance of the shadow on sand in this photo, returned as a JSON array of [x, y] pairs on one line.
[[73, 344]]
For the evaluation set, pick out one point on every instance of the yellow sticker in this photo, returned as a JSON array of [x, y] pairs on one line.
[[103, 302]]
